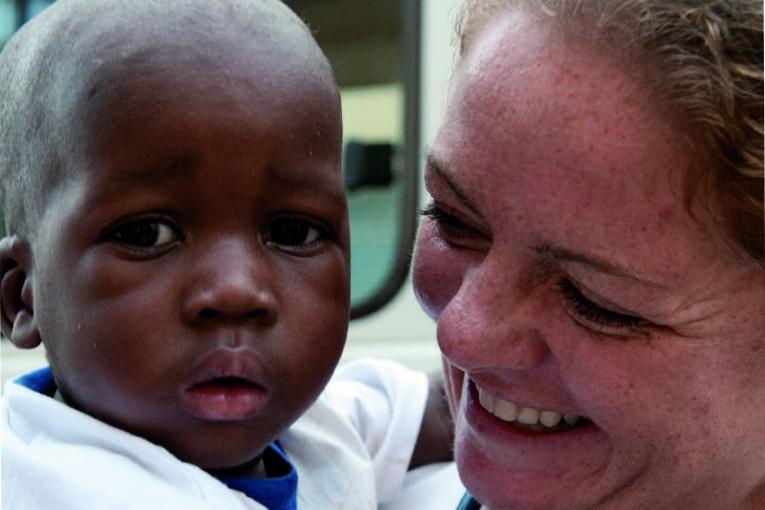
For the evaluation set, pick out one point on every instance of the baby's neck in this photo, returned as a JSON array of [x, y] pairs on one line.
[[253, 469]]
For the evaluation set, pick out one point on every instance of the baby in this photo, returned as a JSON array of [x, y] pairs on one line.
[[178, 241]]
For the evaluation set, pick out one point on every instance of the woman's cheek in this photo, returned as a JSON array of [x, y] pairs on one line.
[[437, 270]]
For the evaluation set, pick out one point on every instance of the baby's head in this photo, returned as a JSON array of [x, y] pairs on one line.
[[177, 231]]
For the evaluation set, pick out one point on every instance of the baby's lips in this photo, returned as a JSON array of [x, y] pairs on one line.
[[226, 386], [225, 363]]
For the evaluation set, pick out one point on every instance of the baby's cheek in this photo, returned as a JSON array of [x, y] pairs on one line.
[[437, 271]]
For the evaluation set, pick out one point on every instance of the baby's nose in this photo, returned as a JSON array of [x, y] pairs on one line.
[[231, 283]]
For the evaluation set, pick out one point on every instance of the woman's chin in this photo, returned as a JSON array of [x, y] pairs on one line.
[[501, 488]]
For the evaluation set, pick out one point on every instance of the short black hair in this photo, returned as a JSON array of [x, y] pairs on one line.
[[46, 66]]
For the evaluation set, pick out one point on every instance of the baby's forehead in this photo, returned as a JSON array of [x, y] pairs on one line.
[[111, 47], [82, 44], [210, 36], [78, 49]]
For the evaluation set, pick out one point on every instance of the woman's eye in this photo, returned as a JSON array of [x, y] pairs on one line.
[[293, 233], [145, 234], [453, 230], [594, 316], [442, 218]]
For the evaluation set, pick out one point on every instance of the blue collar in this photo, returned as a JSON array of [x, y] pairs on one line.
[[39, 381], [277, 492], [468, 502]]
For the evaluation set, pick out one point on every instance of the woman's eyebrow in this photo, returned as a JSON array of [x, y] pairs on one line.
[[547, 250], [440, 168], [593, 261]]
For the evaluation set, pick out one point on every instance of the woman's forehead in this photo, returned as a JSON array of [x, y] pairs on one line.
[[520, 66], [553, 141], [522, 95]]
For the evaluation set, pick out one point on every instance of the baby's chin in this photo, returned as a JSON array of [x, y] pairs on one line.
[[221, 461], [223, 447]]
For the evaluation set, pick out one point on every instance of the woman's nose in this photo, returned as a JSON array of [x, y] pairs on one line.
[[492, 323], [231, 282]]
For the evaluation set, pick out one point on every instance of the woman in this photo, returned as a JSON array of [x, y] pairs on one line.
[[593, 254]]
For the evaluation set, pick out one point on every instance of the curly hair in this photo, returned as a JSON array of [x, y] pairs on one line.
[[703, 64]]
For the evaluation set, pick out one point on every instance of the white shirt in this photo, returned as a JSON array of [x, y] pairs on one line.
[[351, 451], [430, 487]]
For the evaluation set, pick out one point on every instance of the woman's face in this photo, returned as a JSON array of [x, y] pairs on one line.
[[571, 285]]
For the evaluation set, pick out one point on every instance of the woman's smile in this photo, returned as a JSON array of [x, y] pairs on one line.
[[526, 417], [514, 436]]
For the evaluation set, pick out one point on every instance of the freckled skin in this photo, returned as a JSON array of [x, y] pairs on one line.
[[554, 144], [219, 139]]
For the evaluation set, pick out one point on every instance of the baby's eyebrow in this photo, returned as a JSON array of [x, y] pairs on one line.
[[177, 168], [314, 182]]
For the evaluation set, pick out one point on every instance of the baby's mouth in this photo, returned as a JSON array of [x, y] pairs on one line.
[[227, 398], [529, 419], [225, 384]]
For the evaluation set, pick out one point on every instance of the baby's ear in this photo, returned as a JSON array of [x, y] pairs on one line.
[[16, 311]]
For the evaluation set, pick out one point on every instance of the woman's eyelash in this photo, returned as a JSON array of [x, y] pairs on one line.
[[593, 313], [442, 218]]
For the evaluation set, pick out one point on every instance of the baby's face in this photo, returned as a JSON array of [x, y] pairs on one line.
[[191, 280]]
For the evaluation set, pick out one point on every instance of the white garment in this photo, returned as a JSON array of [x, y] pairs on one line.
[[430, 487], [351, 450]]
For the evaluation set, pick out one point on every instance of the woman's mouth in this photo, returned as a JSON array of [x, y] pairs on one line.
[[540, 443], [528, 418]]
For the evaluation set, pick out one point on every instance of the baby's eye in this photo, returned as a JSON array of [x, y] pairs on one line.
[[293, 234], [602, 320], [144, 233]]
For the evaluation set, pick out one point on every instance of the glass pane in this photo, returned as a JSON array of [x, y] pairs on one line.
[[372, 118], [8, 20], [364, 41], [35, 6]]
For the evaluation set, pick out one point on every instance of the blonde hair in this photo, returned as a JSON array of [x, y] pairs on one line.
[[703, 62]]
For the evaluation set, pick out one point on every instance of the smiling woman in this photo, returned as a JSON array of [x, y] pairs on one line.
[[593, 254]]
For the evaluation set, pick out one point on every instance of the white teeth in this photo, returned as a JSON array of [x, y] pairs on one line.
[[528, 415], [487, 401], [571, 419], [550, 418], [505, 410], [509, 411]]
